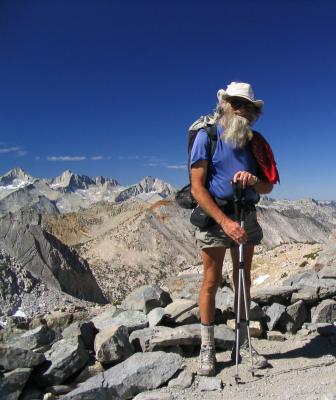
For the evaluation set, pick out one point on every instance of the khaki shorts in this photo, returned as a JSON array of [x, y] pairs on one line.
[[215, 236]]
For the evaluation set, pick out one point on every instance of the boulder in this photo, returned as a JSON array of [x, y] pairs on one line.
[[65, 357], [207, 384], [328, 272], [131, 319], [86, 330], [154, 395], [112, 345], [308, 294], [146, 298], [34, 338], [104, 319], [273, 314], [306, 278], [225, 299], [58, 320], [182, 381], [12, 358], [140, 372], [155, 316], [13, 382], [179, 307], [276, 336], [270, 295], [185, 286], [295, 315], [190, 317], [325, 312], [256, 329], [256, 312], [160, 337]]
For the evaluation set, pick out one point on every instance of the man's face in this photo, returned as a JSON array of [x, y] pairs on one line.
[[243, 108]]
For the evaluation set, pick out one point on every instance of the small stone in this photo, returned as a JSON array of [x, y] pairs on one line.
[[183, 381], [276, 336], [207, 384]]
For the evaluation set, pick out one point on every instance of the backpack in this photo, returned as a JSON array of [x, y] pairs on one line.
[[184, 197]]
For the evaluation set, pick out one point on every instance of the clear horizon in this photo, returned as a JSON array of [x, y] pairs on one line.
[[110, 88]]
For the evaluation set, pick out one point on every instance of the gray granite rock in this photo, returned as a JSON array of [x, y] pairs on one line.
[[276, 336], [185, 286], [328, 272], [65, 357], [274, 313], [104, 319], [182, 381], [146, 298], [179, 307], [131, 319], [295, 315], [270, 295], [155, 316], [112, 345], [13, 382], [140, 372], [256, 312], [86, 330], [308, 294], [225, 299], [190, 317], [187, 335], [34, 338], [207, 384], [153, 395], [306, 278], [13, 357], [325, 312]]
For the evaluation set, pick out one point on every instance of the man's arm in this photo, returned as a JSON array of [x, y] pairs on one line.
[[203, 198]]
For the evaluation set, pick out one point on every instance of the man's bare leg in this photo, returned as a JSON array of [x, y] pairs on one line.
[[212, 273]]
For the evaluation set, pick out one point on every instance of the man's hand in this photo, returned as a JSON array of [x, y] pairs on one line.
[[233, 230], [245, 178]]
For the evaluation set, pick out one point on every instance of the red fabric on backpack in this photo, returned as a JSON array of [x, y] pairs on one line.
[[263, 153]]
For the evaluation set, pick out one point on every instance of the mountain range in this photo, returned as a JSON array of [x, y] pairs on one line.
[[71, 191]]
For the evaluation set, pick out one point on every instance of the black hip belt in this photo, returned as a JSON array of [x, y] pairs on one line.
[[227, 206]]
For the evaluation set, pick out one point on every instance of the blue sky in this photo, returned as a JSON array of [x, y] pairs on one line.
[[110, 87]]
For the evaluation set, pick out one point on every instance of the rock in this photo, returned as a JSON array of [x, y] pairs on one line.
[[179, 307], [13, 382], [306, 278], [270, 295], [146, 298], [58, 320], [31, 392], [155, 316], [190, 317], [65, 357], [112, 345], [256, 329], [296, 314], [323, 329], [325, 312], [307, 293], [187, 335], [89, 371], [58, 266], [327, 272], [207, 384], [140, 372], [276, 336], [185, 286], [132, 319], [104, 319], [153, 395], [327, 289], [274, 313], [183, 381], [59, 389], [34, 338], [225, 299], [86, 330], [12, 358], [256, 312]]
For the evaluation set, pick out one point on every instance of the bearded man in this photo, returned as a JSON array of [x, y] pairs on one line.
[[233, 160]]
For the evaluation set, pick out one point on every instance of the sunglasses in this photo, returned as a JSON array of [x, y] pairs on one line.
[[241, 103]]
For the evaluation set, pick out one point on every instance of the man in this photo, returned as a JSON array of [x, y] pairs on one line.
[[235, 159]]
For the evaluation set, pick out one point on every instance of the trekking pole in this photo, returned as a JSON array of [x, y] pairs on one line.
[[239, 207]]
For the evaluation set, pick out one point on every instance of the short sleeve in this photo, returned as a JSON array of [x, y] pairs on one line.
[[200, 147]]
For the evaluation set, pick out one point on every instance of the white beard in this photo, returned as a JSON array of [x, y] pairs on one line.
[[237, 130]]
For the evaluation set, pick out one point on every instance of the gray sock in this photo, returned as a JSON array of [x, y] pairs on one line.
[[207, 335]]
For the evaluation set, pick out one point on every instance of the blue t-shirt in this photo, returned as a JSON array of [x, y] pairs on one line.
[[226, 161]]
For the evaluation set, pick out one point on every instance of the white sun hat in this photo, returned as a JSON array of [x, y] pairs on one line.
[[239, 89]]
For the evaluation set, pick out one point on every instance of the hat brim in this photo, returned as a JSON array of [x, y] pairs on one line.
[[221, 94]]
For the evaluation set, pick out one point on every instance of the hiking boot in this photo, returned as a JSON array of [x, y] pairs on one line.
[[207, 361], [259, 361]]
